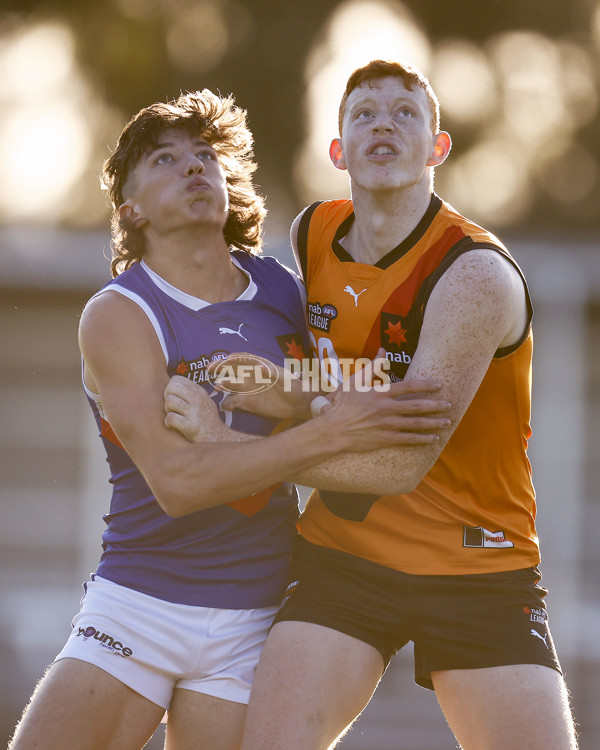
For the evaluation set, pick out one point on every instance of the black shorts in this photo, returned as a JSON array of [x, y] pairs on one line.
[[454, 621]]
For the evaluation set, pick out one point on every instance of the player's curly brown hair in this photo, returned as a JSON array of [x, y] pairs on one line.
[[223, 125]]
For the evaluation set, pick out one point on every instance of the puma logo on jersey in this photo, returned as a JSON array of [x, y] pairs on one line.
[[354, 294], [541, 637], [235, 333]]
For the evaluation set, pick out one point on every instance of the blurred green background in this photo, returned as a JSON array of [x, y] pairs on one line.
[[518, 83]]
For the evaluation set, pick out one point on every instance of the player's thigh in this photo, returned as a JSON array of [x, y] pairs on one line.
[[79, 705], [500, 707], [197, 721], [310, 684]]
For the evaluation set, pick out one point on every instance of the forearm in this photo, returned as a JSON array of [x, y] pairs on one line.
[[386, 471], [376, 419], [234, 465], [393, 470]]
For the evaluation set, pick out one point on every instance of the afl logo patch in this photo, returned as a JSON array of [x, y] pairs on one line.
[[243, 373], [320, 316]]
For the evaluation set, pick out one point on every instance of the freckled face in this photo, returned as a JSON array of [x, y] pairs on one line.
[[387, 136], [180, 182]]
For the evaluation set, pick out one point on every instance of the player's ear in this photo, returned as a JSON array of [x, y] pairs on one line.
[[442, 144], [336, 155], [131, 215]]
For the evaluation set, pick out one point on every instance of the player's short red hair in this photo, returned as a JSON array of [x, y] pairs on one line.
[[377, 69]]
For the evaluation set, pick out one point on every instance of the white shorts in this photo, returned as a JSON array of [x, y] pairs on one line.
[[153, 646]]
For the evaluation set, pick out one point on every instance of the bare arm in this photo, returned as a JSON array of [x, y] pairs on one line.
[[477, 307], [125, 365]]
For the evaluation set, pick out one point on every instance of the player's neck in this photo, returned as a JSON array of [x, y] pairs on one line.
[[383, 221], [200, 266]]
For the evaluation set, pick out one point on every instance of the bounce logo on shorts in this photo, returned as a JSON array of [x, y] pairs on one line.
[[105, 640]]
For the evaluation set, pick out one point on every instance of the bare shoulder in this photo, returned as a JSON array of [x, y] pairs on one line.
[[114, 330], [486, 270], [485, 285], [109, 312]]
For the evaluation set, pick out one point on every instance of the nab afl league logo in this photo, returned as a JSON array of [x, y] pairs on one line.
[[320, 316]]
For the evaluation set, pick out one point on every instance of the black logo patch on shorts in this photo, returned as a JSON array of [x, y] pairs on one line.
[[477, 536]]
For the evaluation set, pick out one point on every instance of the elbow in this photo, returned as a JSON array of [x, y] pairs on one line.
[[171, 500], [171, 506], [410, 485], [176, 501], [180, 491], [390, 483], [395, 485], [176, 493], [184, 477]]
